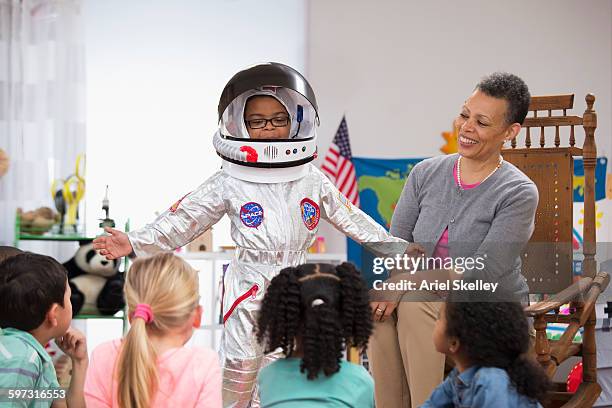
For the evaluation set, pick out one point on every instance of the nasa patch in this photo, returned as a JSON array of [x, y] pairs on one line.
[[174, 206], [310, 213], [251, 214]]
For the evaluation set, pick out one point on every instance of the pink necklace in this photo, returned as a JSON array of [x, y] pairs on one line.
[[501, 160]]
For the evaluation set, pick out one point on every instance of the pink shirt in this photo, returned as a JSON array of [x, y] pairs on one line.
[[188, 377], [441, 249]]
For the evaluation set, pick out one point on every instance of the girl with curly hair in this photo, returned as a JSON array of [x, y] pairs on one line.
[[313, 312], [488, 342]]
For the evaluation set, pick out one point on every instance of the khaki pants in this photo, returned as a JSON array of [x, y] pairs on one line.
[[404, 362]]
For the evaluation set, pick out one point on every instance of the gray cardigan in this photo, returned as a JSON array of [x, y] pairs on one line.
[[494, 220]]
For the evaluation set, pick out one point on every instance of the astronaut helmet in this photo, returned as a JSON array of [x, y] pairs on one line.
[[246, 145]]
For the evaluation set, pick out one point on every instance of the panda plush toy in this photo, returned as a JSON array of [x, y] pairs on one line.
[[96, 283]]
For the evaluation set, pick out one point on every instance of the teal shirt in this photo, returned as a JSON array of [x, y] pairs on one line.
[[24, 363], [282, 385]]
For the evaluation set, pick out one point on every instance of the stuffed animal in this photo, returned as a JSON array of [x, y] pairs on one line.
[[96, 283]]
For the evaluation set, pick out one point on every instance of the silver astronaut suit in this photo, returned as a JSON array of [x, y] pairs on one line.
[[274, 211]]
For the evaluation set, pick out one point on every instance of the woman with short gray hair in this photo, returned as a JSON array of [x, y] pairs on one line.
[[469, 204]]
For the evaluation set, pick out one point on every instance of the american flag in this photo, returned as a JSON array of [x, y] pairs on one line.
[[338, 165]]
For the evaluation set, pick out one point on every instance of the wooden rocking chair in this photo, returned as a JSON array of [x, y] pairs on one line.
[[548, 260]]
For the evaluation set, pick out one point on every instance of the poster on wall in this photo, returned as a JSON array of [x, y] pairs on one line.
[[380, 183], [600, 179]]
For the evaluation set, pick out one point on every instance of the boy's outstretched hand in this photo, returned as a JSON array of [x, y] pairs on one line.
[[113, 246]]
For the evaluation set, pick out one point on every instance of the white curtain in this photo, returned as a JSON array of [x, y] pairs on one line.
[[42, 101]]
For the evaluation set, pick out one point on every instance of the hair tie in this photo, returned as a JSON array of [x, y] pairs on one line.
[[318, 276], [144, 311], [317, 302]]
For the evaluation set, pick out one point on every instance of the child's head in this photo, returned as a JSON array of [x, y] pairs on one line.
[[490, 334], [7, 251], [35, 295], [162, 295], [481, 331], [265, 117], [322, 308], [267, 120]]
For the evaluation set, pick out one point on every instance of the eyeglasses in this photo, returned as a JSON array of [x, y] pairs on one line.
[[280, 121]]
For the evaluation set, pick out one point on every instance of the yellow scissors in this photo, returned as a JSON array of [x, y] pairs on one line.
[[73, 190]]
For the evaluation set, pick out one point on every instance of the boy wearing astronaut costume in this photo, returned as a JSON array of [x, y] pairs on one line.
[[274, 198]]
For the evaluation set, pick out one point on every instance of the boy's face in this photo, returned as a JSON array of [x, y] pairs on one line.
[[63, 315], [265, 109]]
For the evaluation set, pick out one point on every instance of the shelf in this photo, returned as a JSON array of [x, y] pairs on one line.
[[49, 234], [53, 237], [92, 316]]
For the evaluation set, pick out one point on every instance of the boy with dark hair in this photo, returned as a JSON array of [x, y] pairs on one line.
[[7, 251], [35, 308]]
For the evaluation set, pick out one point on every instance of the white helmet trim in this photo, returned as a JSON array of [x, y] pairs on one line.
[[266, 153]]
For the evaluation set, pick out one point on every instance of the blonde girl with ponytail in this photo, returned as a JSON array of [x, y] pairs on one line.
[[151, 366]]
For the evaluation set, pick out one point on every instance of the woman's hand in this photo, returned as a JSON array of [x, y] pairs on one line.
[[382, 310], [113, 246]]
